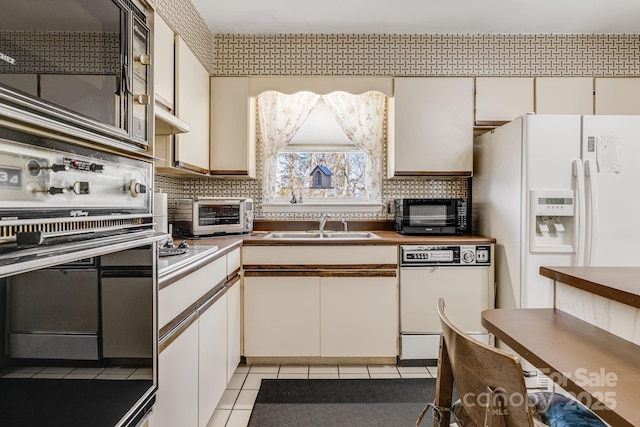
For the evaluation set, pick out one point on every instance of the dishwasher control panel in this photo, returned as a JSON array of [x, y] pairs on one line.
[[420, 255]]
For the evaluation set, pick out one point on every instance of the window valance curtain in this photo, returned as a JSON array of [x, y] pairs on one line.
[[280, 118], [361, 117]]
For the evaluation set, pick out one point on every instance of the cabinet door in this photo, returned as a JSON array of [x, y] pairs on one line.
[[564, 95], [232, 127], [432, 127], [359, 316], [192, 105], [212, 360], [466, 290], [617, 95], [281, 316], [177, 397], [163, 61], [233, 328], [502, 99]]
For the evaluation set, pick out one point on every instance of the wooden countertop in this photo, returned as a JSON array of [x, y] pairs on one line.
[[621, 284], [598, 367], [386, 238]]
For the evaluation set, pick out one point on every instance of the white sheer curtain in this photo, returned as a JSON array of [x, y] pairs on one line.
[[281, 116], [362, 118]]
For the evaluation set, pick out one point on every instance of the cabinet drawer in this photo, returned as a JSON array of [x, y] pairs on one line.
[[320, 255], [177, 297]]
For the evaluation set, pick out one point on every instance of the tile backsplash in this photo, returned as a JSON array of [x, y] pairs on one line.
[[611, 55]]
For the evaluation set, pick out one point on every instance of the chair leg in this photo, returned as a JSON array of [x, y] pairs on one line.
[[444, 387]]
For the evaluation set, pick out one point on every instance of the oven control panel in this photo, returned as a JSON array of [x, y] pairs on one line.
[[68, 178], [424, 255]]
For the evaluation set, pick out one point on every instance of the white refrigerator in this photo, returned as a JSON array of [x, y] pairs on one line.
[[557, 190]]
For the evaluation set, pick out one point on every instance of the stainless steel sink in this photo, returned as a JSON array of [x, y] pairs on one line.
[[316, 235]]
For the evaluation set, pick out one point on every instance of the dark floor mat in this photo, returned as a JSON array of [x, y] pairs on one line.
[[349, 402]]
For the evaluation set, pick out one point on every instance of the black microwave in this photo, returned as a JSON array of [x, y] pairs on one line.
[[432, 216], [79, 67]]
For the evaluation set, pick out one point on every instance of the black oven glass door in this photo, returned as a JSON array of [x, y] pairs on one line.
[[80, 347], [226, 214], [65, 53], [84, 62], [432, 214]]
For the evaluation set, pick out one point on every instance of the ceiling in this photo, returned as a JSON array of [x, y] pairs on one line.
[[421, 16]]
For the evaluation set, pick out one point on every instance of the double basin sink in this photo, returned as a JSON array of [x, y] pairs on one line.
[[321, 235]]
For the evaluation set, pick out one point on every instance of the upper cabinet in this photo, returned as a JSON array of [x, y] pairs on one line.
[[192, 104], [564, 95], [617, 95], [502, 99], [233, 124], [430, 127], [164, 80], [163, 62]]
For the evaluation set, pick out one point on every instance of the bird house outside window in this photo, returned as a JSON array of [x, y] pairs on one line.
[[321, 177]]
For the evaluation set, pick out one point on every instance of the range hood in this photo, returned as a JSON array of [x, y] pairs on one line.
[[168, 124]]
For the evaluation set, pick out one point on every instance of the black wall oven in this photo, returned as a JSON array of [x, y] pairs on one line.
[[78, 66], [78, 284]]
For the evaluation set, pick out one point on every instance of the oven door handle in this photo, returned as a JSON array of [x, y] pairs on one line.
[[40, 257]]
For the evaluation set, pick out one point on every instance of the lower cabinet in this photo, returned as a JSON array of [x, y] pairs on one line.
[[358, 316], [192, 367], [177, 397], [234, 336], [199, 349], [282, 316], [212, 356], [312, 316]]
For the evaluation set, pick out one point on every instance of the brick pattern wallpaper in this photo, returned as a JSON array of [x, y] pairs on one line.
[[402, 55], [427, 55], [185, 20], [57, 52]]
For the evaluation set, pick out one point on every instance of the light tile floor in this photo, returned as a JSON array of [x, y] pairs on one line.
[[234, 408], [52, 372]]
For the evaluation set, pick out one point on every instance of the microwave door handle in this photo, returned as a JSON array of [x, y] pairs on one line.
[[580, 215]]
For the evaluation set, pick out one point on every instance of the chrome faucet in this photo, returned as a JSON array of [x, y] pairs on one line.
[[345, 225], [323, 220]]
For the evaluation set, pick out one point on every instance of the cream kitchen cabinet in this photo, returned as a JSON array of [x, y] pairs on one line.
[[193, 367], [233, 128], [199, 318], [358, 316], [234, 316], [502, 99], [212, 355], [234, 312], [282, 316], [164, 67], [431, 127], [163, 62], [617, 95], [320, 302], [564, 95], [192, 105], [177, 396]]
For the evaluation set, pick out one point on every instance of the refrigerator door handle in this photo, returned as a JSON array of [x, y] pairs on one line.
[[580, 216], [590, 241]]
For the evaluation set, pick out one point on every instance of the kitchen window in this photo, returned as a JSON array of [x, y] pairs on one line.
[[341, 132]]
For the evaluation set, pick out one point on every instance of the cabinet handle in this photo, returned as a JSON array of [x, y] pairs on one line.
[[142, 99], [144, 59]]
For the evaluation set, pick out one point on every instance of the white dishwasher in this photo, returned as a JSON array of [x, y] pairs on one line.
[[461, 274]]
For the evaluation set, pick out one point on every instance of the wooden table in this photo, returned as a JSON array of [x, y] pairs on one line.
[[601, 369]]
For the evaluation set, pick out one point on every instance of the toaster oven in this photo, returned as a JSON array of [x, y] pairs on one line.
[[206, 216]]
